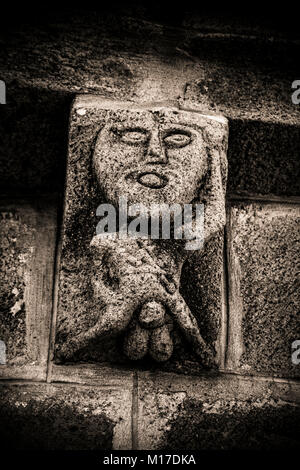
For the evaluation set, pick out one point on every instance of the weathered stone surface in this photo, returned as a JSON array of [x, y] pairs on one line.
[[92, 374], [220, 63], [254, 425], [16, 240], [105, 281], [28, 235], [49, 417], [255, 158], [263, 248], [204, 413], [202, 288], [213, 65], [247, 90], [216, 64]]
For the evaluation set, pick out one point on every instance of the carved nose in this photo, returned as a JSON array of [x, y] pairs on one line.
[[156, 152]]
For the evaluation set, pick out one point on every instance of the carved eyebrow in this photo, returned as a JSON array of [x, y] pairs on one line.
[[122, 129], [176, 130], [134, 136], [184, 126]]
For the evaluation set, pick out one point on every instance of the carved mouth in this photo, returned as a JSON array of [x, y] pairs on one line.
[[151, 179]]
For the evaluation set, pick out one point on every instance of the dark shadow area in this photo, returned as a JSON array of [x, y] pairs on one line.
[[33, 141], [52, 424], [233, 425], [263, 158], [280, 17]]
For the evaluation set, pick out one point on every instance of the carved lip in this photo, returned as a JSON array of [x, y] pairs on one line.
[[150, 179]]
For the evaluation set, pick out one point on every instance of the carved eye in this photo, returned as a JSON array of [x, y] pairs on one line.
[[177, 139], [134, 136]]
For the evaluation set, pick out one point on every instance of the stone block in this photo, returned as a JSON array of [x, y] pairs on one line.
[[63, 417], [101, 152], [28, 237], [216, 413], [255, 158], [263, 249], [242, 79], [92, 374]]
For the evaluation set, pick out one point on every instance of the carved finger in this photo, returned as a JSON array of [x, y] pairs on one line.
[[101, 290]]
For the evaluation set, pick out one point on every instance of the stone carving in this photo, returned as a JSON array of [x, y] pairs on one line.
[[141, 277], [152, 156]]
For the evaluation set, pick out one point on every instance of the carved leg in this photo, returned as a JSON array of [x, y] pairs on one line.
[[114, 319], [188, 325]]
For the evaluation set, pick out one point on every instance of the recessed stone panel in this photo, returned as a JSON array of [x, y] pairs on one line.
[[145, 154], [263, 252], [28, 236]]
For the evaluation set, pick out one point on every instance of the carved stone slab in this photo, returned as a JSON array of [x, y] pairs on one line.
[[27, 247], [135, 298]]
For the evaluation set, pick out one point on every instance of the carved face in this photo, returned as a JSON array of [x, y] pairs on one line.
[[150, 157]]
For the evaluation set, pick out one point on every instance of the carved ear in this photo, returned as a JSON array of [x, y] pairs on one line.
[[214, 192]]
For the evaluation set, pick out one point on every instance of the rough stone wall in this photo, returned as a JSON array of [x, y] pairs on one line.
[[218, 66]]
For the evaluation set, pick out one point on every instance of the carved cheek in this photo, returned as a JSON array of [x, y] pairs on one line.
[[182, 158], [194, 156], [102, 160], [107, 159], [131, 155]]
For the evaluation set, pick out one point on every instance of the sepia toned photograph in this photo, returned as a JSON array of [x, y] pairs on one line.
[[149, 232]]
